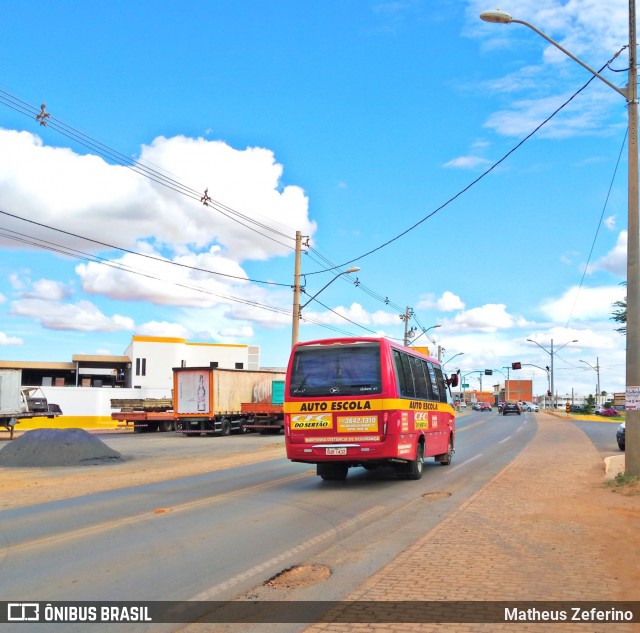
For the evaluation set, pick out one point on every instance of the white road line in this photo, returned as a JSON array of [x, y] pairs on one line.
[[208, 594], [471, 459]]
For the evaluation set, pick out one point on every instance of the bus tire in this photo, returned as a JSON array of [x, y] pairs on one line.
[[448, 456], [416, 466], [330, 471]]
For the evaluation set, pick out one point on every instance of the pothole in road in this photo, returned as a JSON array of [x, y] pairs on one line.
[[299, 576], [434, 496]]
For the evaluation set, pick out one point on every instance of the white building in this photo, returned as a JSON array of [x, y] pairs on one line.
[[153, 357], [85, 386]]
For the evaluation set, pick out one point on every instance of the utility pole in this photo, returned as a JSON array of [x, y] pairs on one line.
[[408, 313], [295, 323]]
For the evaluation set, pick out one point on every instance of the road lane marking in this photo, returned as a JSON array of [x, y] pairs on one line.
[[209, 594], [471, 459], [93, 530]]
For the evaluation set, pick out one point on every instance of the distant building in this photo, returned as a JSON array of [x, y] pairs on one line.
[[147, 363], [85, 386]]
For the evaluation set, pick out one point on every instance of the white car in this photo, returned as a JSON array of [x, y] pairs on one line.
[[530, 406]]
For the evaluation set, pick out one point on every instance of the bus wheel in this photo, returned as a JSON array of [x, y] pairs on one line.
[[448, 456], [330, 471], [416, 466]]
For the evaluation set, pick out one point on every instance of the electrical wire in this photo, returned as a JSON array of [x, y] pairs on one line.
[[473, 182], [145, 255], [595, 237]]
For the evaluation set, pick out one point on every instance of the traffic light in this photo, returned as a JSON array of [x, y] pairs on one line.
[[516, 365], [488, 372], [549, 392]]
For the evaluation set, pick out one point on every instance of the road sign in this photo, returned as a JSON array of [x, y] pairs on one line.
[[465, 386]]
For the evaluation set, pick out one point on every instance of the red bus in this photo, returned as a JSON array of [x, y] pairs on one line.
[[367, 402]]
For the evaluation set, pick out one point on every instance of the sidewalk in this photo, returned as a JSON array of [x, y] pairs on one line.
[[544, 528]]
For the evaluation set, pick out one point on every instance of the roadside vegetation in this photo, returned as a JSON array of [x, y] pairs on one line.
[[627, 484]]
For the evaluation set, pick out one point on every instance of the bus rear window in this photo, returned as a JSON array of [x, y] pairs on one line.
[[337, 370]]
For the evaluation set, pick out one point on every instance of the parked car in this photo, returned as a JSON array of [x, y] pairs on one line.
[[620, 433], [576, 408], [511, 407], [609, 412]]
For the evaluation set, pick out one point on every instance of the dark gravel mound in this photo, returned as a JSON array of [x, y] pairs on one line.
[[57, 447]]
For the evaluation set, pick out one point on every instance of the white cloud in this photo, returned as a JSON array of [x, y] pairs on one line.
[[87, 196], [615, 261], [48, 289], [355, 313], [5, 339], [488, 318], [583, 304], [81, 316], [610, 222], [447, 302], [162, 328], [467, 162]]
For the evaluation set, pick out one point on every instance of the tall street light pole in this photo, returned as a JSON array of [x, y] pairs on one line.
[[551, 353], [597, 370], [297, 308], [630, 93]]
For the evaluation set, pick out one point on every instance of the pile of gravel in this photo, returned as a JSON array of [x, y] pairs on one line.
[[57, 447]]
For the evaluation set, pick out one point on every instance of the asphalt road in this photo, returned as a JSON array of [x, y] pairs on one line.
[[223, 534]]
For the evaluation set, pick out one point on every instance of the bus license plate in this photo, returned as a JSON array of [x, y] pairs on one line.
[[336, 451]]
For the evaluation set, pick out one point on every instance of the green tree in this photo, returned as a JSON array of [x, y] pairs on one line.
[[590, 404], [619, 315]]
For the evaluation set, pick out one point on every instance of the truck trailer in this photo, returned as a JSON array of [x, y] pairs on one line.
[[19, 403], [144, 414], [209, 401]]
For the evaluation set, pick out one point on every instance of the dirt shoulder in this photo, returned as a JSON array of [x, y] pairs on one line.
[[26, 486]]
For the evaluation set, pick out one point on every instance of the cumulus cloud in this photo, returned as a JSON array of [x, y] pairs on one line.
[[341, 316], [5, 339], [48, 289], [447, 302], [487, 318], [83, 316], [615, 261], [84, 195], [162, 328], [583, 304]]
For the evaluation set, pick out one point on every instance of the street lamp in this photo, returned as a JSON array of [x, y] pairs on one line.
[[551, 353], [411, 333], [450, 359], [597, 370], [630, 93], [297, 308]]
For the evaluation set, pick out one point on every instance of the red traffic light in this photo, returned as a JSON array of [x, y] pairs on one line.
[[516, 365]]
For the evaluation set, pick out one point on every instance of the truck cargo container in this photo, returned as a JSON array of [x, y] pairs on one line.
[[209, 400]]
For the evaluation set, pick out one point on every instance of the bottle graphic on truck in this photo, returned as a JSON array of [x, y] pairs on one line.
[[201, 394]]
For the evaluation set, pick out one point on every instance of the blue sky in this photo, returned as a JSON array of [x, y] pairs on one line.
[[367, 125]]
